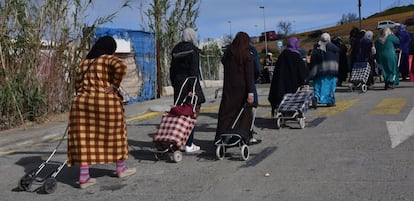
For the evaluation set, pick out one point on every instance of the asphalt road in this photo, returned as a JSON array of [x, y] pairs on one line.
[[343, 153]]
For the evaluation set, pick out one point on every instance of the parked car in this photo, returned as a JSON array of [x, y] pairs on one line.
[[409, 21], [270, 36], [387, 23]]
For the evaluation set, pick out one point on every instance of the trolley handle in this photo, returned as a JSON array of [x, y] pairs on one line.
[[193, 90], [238, 116], [303, 88], [194, 99]]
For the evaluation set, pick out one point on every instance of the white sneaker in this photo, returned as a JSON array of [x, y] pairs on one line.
[[253, 140], [192, 148]]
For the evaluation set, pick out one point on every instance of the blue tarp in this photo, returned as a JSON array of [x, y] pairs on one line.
[[143, 47]]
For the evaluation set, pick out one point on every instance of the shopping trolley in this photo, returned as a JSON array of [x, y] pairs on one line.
[[47, 179], [294, 106]]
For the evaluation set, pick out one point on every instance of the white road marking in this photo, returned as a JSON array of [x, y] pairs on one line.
[[400, 131]]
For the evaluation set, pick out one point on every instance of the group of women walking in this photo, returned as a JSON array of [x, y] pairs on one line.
[[329, 67], [97, 129]]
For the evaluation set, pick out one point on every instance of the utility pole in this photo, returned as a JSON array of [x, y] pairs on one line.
[[264, 28]]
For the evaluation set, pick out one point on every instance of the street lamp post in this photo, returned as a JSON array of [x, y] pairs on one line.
[[264, 28], [256, 29], [230, 26], [379, 6]]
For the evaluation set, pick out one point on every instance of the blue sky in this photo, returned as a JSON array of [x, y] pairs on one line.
[[223, 17]]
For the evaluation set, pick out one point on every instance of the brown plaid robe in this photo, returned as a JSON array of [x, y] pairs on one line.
[[97, 129]]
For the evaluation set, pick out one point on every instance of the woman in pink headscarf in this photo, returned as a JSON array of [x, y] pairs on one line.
[[290, 73]]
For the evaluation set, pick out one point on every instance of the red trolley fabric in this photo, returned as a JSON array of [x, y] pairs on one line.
[[175, 129]]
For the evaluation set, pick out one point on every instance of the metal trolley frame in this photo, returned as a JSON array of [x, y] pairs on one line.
[[293, 107]]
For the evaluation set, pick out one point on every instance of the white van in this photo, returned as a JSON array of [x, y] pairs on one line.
[[387, 23]]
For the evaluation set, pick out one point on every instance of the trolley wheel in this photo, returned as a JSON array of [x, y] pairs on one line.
[[364, 88], [25, 182], [177, 156], [244, 150], [302, 122], [220, 152], [49, 185], [278, 123]]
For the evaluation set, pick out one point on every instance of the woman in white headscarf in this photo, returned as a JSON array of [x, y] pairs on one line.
[[324, 70], [386, 56], [366, 53], [184, 64]]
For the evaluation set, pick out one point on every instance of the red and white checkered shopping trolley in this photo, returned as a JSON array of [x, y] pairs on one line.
[[176, 126]]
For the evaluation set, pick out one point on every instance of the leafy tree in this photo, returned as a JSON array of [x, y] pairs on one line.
[[167, 21], [210, 60]]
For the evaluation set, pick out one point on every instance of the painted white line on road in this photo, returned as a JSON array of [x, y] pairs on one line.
[[400, 131]]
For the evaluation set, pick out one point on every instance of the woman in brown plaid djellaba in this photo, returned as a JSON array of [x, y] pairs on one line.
[[97, 129]]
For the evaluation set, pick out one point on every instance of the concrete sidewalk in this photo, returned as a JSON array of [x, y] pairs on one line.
[[30, 134]]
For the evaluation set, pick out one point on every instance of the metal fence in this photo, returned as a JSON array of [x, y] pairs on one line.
[[211, 67]]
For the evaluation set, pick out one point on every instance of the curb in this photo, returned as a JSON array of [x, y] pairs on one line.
[[15, 139], [22, 137]]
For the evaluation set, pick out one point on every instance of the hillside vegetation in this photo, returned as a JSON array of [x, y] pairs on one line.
[[397, 14]]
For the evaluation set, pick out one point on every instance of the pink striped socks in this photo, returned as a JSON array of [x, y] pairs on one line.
[[84, 174], [120, 167]]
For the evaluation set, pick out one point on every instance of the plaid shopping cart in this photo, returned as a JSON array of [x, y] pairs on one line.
[[359, 75], [294, 106], [176, 125]]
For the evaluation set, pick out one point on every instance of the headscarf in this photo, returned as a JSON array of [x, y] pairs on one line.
[[362, 33], [402, 28], [293, 44], [384, 34], [354, 32], [337, 40], [368, 35], [325, 39], [240, 45], [104, 45], [189, 35]]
